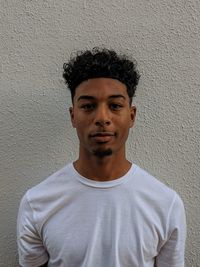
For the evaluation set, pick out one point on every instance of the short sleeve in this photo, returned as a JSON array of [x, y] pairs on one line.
[[172, 252], [30, 247]]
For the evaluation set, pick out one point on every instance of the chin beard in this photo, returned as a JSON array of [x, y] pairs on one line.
[[102, 153]]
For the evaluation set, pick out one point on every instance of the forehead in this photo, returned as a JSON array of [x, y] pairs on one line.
[[101, 88]]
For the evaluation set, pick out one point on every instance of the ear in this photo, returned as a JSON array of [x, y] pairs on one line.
[[71, 111], [133, 110]]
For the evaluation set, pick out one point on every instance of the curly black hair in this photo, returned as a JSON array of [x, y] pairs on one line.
[[101, 63]]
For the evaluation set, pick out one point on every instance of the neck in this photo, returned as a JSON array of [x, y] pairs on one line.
[[102, 169]]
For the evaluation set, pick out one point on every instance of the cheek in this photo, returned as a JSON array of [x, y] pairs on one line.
[[126, 122], [79, 121], [125, 127], [80, 134], [81, 128]]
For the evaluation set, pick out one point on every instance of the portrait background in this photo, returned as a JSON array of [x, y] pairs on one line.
[[36, 137]]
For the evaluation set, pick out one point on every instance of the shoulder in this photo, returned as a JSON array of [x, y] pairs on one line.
[[159, 202], [51, 185], [154, 192], [48, 196], [147, 181]]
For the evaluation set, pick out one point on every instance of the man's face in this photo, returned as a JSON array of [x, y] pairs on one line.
[[102, 116]]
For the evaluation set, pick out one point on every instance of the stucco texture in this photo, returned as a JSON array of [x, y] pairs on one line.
[[36, 137]]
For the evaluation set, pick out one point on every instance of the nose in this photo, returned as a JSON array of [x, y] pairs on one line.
[[102, 116]]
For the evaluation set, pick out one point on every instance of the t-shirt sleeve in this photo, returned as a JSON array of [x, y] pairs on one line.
[[172, 252], [30, 246]]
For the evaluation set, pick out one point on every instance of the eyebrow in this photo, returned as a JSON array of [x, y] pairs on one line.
[[89, 97]]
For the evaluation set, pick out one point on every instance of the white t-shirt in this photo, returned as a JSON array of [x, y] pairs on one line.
[[71, 221]]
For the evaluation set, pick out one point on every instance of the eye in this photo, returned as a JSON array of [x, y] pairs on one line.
[[87, 107], [116, 106]]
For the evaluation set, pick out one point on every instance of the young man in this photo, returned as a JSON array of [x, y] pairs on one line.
[[101, 210]]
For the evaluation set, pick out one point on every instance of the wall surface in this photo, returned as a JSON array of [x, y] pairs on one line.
[[36, 137]]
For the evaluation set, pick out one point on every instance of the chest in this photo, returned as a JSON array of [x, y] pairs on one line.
[[94, 229]]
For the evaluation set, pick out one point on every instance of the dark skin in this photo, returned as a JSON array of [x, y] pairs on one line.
[[102, 116]]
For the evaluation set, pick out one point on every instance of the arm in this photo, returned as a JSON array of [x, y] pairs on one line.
[[171, 253], [30, 245], [44, 265]]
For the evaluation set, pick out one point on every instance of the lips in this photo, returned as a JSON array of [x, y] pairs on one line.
[[102, 136], [94, 134]]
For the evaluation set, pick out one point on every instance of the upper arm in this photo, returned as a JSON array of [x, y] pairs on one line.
[[172, 252], [44, 265], [30, 246]]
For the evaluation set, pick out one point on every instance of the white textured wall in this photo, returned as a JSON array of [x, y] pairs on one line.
[[36, 135]]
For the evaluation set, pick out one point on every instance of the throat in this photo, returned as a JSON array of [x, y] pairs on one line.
[[102, 170]]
